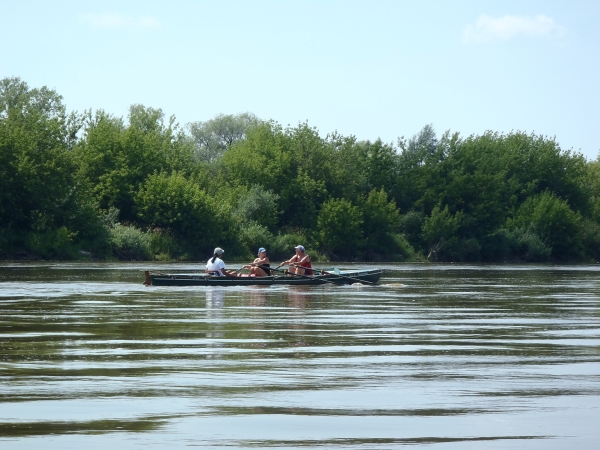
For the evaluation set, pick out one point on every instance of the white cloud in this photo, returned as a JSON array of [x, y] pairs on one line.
[[507, 27], [109, 20]]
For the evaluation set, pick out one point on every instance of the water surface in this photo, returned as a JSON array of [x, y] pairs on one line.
[[437, 356]]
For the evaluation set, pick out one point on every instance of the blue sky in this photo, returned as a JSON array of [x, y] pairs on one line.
[[368, 68]]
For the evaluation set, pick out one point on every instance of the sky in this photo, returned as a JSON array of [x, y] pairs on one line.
[[372, 69]]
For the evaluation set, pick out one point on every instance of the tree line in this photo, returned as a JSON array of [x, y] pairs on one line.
[[77, 185]]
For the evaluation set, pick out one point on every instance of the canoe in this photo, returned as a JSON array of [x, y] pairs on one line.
[[340, 277]]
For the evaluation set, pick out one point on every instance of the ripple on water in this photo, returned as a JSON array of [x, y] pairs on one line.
[[449, 355]]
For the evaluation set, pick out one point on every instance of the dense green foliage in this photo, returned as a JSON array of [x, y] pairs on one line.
[[91, 184]]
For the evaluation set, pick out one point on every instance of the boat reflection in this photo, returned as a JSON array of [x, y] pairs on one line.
[[215, 335], [299, 299], [258, 297], [215, 298]]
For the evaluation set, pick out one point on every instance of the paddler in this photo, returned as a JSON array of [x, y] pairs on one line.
[[261, 266], [216, 266], [299, 263]]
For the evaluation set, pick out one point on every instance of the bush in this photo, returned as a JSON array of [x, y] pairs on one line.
[[253, 235], [258, 205], [498, 246], [439, 230], [456, 249], [554, 224], [92, 233], [401, 249], [163, 246], [52, 244], [173, 202], [129, 243], [440, 225], [590, 236], [380, 219], [340, 228], [282, 247], [530, 246], [8, 239], [411, 224]]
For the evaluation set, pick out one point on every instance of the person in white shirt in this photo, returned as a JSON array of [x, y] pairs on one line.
[[216, 266]]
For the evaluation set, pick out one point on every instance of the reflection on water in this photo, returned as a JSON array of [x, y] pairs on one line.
[[445, 356], [215, 336]]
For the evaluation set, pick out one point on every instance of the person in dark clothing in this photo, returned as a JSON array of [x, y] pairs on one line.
[[261, 266]]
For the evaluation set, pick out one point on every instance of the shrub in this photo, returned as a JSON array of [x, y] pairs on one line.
[[554, 223], [401, 249], [253, 235], [530, 246], [440, 225], [590, 237], [282, 246], [258, 205], [8, 239], [339, 226], [173, 202], [411, 224], [438, 231], [52, 244], [380, 219], [498, 246], [130, 243], [163, 246], [461, 249]]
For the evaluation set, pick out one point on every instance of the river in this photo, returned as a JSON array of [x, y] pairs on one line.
[[436, 356]]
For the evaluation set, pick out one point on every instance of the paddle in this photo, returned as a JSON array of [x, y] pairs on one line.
[[241, 268], [278, 266], [310, 277], [337, 273]]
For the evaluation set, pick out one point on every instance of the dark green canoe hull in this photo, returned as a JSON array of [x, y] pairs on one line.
[[344, 277]]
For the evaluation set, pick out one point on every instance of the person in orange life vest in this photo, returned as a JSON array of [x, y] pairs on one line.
[[300, 262]]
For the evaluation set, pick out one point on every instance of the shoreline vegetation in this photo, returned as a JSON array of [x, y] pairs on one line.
[[95, 186]]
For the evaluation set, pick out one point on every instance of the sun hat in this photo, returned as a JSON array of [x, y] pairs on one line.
[[219, 251], [299, 247], [262, 250]]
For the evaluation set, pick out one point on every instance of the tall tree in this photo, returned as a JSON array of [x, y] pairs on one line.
[[215, 136], [36, 134], [116, 159]]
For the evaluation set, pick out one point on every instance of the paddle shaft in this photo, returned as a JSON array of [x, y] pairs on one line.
[[310, 277], [341, 276], [350, 278]]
